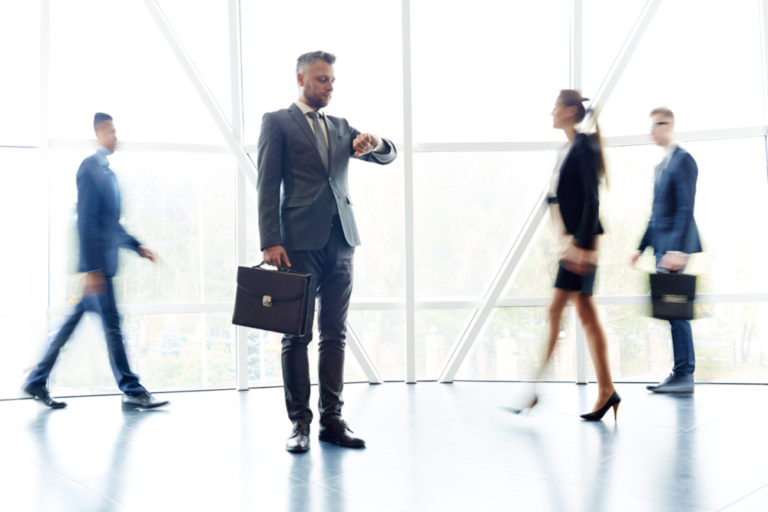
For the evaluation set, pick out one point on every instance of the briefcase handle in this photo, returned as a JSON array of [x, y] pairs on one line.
[[281, 269]]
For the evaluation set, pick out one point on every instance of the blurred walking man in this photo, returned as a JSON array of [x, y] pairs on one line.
[[101, 235]]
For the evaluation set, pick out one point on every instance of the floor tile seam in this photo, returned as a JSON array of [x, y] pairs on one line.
[[495, 496], [496, 468], [326, 484], [83, 484], [743, 498], [506, 492], [661, 502]]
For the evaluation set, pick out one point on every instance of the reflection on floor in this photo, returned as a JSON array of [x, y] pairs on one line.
[[446, 447]]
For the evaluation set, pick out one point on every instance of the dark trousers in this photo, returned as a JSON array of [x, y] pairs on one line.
[[331, 270], [105, 306], [682, 342]]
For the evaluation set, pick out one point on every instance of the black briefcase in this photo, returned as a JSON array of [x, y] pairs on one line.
[[672, 296], [272, 300]]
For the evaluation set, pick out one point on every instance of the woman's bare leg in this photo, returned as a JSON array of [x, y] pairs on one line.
[[598, 347], [559, 301]]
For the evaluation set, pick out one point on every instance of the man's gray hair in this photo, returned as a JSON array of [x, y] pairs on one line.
[[309, 58]]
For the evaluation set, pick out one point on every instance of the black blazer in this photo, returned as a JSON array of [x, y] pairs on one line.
[[577, 191], [296, 191]]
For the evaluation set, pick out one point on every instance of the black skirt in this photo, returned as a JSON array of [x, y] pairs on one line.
[[567, 280]]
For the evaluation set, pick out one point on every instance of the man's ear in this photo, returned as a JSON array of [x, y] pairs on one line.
[[300, 79]]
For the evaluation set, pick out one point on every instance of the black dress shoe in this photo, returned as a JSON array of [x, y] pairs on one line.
[[41, 393], [299, 440], [337, 432], [142, 401]]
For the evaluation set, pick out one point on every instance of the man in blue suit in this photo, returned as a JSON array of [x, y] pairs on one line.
[[101, 235], [673, 235], [306, 222]]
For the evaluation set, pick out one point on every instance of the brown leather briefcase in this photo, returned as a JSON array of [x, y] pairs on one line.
[[672, 296], [272, 300]]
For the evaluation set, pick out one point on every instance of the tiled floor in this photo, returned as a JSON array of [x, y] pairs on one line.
[[446, 447]]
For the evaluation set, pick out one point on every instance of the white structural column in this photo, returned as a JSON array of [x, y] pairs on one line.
[[245, 165], [407, 155], [43, 142], [241, 220], [577, 47], [577, 53], [764, 53], [518, 248]]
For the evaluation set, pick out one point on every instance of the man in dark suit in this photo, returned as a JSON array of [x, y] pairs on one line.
[[311, 228], [100, 232], [673, 234]]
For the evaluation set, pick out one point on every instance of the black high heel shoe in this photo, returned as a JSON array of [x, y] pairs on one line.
[[531, 405], [598, 414]]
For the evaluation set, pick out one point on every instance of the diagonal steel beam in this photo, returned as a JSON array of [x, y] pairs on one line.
[[356, 346], [620, 62], [245, 164], [502, 277], [519, 246]]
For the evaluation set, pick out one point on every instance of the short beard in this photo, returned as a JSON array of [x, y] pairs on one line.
[[315, 102]]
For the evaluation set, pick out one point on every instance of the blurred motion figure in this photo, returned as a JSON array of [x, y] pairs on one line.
[[574, 208], [101, 235], [673, 234]]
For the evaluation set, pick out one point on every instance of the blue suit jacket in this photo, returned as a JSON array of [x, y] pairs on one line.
[[672, 226], [98, 218], [289, 160]]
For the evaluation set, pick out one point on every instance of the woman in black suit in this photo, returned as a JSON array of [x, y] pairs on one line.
[[574, 207]]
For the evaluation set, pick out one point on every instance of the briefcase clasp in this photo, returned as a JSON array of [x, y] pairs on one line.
[[674, 299], [266, 301]]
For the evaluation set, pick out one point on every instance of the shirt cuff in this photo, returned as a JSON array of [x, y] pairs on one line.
[[380, 146]]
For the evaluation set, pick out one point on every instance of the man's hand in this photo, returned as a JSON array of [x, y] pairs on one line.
[[579, 261], [673, 261], [276, 256], [94, 283], [364, 144], [635, 256], [146, 253]]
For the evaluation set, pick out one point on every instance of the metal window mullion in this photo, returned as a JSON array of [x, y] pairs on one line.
[[44, 136], [577, 48], [241, 221], [245, 165], [506, 272], [620, 62], [410, 294], [577, 71], [362, 357]]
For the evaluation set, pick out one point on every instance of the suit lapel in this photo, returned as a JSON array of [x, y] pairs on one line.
[[303, 125]]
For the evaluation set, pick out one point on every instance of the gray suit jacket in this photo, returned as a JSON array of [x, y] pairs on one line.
[[288, 156]]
